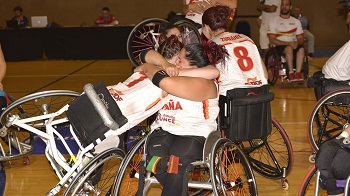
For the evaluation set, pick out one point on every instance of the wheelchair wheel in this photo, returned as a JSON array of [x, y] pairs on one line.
[[308, 186], [230, 170], [19, 142], [190, 33], [144, 36], [328, 117], [271, 157], [96, 178], [126, 181], [272, 63]]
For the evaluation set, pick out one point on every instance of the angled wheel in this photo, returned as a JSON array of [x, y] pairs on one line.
[[308, 185], [126, 181], [144, 36], [271, 157], [18, 142], [230, 170], [328, 117], [97, 177], [190, 33], [272, 63]]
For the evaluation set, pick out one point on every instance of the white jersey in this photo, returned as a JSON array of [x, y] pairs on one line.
[[183, 117], [338, 66], [285, 29], [266, 17], [137, 99], [193, 15], [243, 67]]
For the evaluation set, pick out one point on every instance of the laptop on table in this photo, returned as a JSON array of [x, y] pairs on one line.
[[39, 21]]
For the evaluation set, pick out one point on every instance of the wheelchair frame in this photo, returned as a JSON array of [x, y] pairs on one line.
[[276, 166], [325, 123], [45, 126]]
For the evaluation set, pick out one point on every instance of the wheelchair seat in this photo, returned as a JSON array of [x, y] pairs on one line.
[[323, 86]]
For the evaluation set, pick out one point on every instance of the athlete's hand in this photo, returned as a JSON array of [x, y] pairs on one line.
[[172, 71]]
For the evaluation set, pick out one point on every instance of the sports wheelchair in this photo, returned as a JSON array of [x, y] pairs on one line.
[[331, 111], [50, 113], [313, 184], [277, 67], [226, 166], [145, 36]]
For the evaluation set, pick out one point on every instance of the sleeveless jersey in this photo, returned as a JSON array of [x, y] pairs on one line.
[[285, 29], [183, 117], [137, 99], [243, 67]]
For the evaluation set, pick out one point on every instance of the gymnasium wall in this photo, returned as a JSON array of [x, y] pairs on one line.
[[327, 17]]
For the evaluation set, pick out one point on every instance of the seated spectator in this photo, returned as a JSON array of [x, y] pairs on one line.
[[286, 34], [106, 19], [307, 34], [22, 21]]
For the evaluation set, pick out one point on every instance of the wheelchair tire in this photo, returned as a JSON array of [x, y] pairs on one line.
[[308, 185], [30, 106], [272, 63], [190, 33], [230, 171], [127, 179], [328, 117], [141, 38], [269, 156], [97, 177]]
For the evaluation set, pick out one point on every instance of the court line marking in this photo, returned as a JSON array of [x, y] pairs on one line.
[[63, 77]]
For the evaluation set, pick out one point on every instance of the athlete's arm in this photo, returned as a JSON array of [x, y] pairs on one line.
[[190, 88], [208, 72]]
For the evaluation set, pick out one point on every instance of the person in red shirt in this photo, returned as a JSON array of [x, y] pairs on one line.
[[106, 18]]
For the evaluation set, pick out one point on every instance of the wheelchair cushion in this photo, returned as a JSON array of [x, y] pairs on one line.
[[248, 113], [86, 122]]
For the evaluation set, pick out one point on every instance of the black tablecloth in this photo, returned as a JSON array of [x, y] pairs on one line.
[[65, 43]]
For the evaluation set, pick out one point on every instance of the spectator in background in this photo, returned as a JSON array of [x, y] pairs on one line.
[[106, 19], [270, 9], [307, 34], [286, 34], [22, 21]]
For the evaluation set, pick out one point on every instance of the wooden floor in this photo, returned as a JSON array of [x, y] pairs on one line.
[[291, 108]]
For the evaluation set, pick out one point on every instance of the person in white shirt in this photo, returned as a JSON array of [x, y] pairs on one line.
[[270, 9], [286, 33]]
